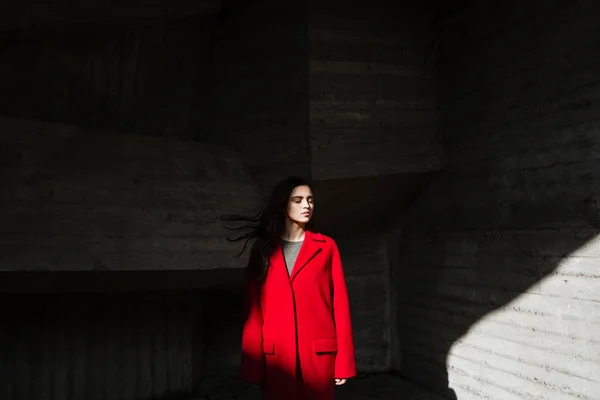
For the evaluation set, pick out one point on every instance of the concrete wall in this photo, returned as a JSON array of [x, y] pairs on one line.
[[373, 90], [367, 276], [35, 14], [259, 93], [117, 346], [325, 89], [127, 346], [80, 200], [496, 271], [372, 120], [85, 216], [144, 77]]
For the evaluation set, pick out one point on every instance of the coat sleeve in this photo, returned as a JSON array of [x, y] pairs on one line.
[[252, 365], [345, 365]]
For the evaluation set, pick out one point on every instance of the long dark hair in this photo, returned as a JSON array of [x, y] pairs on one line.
[[265, 228]]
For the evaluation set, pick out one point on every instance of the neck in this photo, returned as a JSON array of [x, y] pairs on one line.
[[294, 232]]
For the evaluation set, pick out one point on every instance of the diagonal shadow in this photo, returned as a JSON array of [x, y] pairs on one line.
[[495, 266], [463, 310]]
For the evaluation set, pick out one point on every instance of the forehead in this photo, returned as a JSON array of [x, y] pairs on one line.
[[303, 191]]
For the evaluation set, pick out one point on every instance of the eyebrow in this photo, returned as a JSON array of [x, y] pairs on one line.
[[299, 197]]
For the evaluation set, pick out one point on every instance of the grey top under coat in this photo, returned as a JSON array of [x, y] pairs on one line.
[[290, 253]]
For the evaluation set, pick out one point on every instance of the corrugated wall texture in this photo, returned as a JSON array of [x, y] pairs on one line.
[[139, 77], [497, 274], [367, 278], [372, 88], [96, 346]]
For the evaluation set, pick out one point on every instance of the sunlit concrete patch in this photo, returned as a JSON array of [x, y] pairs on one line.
[[543, 342]]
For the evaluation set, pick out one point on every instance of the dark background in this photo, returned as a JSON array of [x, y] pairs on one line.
[[454, 148]]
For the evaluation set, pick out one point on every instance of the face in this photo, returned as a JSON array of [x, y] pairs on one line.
[[300, 205]]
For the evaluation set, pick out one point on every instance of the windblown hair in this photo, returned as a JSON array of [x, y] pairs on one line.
[[265, 228]]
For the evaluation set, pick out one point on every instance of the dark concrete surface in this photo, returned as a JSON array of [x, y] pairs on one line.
[[371, 387]]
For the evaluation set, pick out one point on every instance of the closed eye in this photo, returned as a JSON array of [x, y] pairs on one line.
[[298, 199]]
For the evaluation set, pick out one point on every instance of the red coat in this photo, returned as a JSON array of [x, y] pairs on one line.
[[305, 315]]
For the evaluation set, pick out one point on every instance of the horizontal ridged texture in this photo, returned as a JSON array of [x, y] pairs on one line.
[[372, 89], [97, 346], [128, 77], [497, 274], [74, 199]]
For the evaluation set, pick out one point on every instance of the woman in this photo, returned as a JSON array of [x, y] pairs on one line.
[[297, 338]]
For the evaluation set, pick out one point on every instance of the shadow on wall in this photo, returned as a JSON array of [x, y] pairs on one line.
[[496, 265]]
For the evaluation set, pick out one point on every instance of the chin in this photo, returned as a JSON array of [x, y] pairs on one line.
[[304, 220]]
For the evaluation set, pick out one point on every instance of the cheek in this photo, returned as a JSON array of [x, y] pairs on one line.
[[296, 208], [292, 208]]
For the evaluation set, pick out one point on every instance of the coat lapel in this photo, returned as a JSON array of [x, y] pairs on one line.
[[311, 246]]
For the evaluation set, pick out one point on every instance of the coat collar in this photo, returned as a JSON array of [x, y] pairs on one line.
[[311, 245]]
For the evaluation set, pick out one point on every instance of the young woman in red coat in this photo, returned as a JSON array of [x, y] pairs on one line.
[[297, 338]]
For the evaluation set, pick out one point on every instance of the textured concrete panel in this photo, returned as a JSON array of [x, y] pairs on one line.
[[372, 90], [260, 67], [75, 200], [367, 278], [105, 347], [41, 14], [148, 79], [496, 273]]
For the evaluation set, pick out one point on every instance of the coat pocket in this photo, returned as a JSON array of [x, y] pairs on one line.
[[268, 346], [321, 346]]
